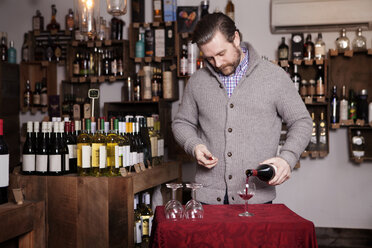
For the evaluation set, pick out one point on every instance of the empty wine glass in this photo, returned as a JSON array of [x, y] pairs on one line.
[[194, 209], [173, 209], [248, 191]]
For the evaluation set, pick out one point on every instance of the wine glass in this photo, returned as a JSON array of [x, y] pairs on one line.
[[173, 209], [248, 191], [194, 209]]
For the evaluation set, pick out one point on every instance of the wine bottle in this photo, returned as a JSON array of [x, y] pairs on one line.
[[146, 140], [309, 50], [55, 151], [358, 145], [133, 143], [146, 218], [29, 153], [230, 10], [320, 50], [314, 135], [84, 149], [112, 144], [4, 166], [352, 106], [283, 50], [160, 140], [141, 145], [128, 128], [334, 106], [264, 172], [137, 223], [322, 133], [98, 152], [153, 140], [53, 26], [42, 151], [71, 145], [296, 78], [138, 142], [343, 105], [126, 151], [64, 148]]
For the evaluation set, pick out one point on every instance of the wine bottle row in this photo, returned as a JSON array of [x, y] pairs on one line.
[[318, 140], [92, 148]]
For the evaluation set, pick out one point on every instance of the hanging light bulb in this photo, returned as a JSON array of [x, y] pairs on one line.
[[88, 11], [116, 7]]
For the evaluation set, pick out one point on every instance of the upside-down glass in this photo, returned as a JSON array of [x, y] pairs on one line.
[[116, 7], [194, 209], [173, 209], [247, 192]]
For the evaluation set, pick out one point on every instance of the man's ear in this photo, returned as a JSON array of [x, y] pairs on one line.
[[236, 39]]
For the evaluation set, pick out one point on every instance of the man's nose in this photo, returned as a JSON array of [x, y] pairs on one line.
[[218, 62]]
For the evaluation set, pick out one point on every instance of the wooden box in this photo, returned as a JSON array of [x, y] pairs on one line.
[[90, 211]]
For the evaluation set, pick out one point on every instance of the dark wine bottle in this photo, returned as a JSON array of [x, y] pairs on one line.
[[42, 150], [55, 151], [4, 167], [264, 172], [29, 152], [64, 149], [71, 145]]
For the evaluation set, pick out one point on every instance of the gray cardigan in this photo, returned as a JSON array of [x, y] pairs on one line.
[[262, 99]]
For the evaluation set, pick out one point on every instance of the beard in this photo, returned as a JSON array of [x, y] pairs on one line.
[[229, 68]]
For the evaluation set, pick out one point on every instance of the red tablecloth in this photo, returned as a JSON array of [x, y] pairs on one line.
[[273, 225]]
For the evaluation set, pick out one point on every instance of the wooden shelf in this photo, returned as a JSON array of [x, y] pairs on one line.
[[79, 208]]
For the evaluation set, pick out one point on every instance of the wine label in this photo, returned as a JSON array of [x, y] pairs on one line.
[[117, 157], [55, 163], [4, 170], [67, 163], [358, 153], [343, 110], [146, 222], [96, 150], [126, 156], [86, 153], [138, 233], [130, 159], [41, 163], [154, 146], [322, 139], [102, 157], [160, 147], [71, 151], [121, 155], [28, 162], [141, 157], [134, 157]]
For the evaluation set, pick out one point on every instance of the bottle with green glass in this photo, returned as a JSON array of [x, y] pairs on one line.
[[84, 149], [99, 151]]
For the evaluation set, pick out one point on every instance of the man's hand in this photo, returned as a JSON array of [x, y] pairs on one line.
[[283, 170], [204, 157]]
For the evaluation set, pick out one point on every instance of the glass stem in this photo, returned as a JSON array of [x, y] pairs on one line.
[[246, 206], [174, 194], [193, 194]]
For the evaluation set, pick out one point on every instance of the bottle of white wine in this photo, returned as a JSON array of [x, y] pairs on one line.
[[146, 218], [84, 150], [99, 151], [112, 144]]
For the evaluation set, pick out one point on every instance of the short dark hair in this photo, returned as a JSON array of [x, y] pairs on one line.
[[206, 28]]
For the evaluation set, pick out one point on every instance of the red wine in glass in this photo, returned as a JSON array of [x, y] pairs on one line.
[[246, 196]]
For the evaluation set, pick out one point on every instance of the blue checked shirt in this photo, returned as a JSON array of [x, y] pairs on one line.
[[232, 81]]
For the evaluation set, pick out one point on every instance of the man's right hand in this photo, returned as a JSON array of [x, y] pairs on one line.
[[204, 157]]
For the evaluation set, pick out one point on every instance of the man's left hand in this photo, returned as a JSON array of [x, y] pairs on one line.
[[283, 170]]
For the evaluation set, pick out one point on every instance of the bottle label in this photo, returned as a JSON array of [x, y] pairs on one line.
[[102, 157], [28, 162], [36, 23], [138, 233], [154, 146], [283, 54], [320, 51], [41, 163], [76, 69], [352, 113], [157, 5], [96, 152], [55, 163], [141, 157], [183, 66], [117, 157], [358, 153], [146, 222], [71, 151], [134, 158], [4, 170], [36, 99], [44, 99], [343, 110], [86, 153], [160, 147], [126, 156], [67, 163], [322, 139], [130, 159]]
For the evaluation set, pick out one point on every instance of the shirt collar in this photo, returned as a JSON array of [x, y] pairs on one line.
[[243, 65]]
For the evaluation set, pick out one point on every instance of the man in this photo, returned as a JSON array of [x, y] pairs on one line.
[[231, 116]]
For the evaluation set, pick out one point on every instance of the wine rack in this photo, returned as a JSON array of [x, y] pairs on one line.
[[119, 45], [354, 70]]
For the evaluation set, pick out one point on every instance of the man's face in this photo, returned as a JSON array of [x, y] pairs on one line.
[[224, 56]]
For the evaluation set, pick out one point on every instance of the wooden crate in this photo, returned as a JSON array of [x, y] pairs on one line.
[[90, 211]]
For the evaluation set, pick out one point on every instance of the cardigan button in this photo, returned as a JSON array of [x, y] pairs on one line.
[[231, 105], [218, 199], [229, 154], [230, 177], [230, 130]]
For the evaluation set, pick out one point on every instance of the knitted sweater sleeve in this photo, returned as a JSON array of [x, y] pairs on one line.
[[295, 114], [185, 123]]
